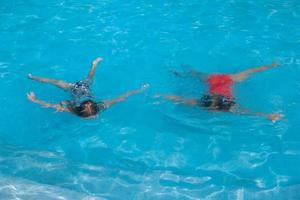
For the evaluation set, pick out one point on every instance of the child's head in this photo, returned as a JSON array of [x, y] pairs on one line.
[[217, 102], [87, 108]]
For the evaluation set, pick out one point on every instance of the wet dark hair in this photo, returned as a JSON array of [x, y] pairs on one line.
[[225, 103], [86, 108], [220, 102], [206, 100]]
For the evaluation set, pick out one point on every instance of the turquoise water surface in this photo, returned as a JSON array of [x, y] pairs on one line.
[[146, 148]]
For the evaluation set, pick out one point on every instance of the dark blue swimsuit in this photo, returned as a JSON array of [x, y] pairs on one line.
[[81, 92]]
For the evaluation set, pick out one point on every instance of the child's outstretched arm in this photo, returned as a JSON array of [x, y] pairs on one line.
[[241, 76], [191, 73], [237, 109], [109, 103], [58, 107], [178, 99]]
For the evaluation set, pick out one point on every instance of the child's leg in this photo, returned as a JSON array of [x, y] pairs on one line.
[[191, 73], [59, 83], [241, 76], [93, 68]]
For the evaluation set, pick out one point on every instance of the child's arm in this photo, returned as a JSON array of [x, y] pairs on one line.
[[58, 107], [109, 103], [237, 109]]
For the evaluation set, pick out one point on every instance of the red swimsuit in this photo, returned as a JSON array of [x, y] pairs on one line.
[[220, 84]]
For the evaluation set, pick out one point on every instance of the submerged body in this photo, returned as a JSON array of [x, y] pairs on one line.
[[219, 92], [220, 84], [219, 96], [81, 91]]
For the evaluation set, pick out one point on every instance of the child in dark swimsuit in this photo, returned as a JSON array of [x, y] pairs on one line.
[[82, 103], [219, 96]]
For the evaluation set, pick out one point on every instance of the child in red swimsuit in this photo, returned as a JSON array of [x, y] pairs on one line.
[[219, 96], [220, 84]]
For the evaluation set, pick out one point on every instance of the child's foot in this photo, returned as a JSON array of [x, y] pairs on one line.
[[145, 86], [275, 64], [29, 76], [97, 60]]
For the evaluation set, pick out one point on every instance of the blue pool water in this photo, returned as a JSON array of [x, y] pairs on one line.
[[146, 148]]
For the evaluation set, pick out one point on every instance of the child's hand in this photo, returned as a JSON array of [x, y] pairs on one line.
[[31, 96], [157, 96], [59, 109], [176, 73], [275, 117]]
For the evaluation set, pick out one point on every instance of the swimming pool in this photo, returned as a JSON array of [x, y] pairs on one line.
[[145, 148]]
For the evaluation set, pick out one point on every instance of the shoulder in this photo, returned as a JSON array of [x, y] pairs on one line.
[[67, 105], [102, 105]]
